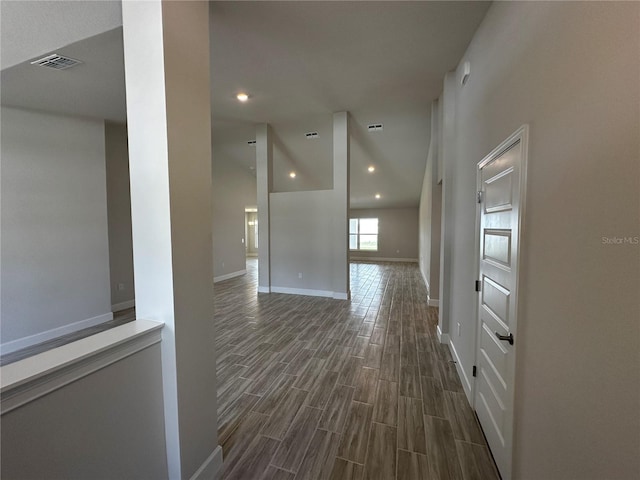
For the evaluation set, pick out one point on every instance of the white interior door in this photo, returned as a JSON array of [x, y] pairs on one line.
[[501, 181]]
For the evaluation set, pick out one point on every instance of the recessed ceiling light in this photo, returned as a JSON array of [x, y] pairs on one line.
[[371, 169], [243, 97], [377, 195], [292, 174]]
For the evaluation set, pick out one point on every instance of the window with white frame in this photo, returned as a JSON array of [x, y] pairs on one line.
[[363, 234]]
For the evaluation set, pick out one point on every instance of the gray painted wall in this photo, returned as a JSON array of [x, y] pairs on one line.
[[234, 188], [308, 241], [397, 232], [107, 425], [300, 225], [311, 159], [55, 252], [119, 213], [569, 70]]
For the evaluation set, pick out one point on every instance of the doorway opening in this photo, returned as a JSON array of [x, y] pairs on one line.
[[251, 232]]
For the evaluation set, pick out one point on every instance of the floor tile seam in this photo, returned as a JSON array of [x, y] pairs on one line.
[[289, 428]]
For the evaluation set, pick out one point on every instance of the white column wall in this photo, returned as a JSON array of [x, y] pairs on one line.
[[168, 110], [446, 158], [264, 180], [341, 171]]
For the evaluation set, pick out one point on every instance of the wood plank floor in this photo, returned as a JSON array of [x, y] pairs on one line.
[[315, 388]]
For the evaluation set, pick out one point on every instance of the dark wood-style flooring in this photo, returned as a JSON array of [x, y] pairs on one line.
[[315, 388]]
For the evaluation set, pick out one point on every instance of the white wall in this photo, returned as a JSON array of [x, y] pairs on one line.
[[107, 425], [119, 215], [571, 71], [55, 252], [397, 233]]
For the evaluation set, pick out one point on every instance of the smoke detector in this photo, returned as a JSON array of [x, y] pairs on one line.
[[58, 62], [375, 127]]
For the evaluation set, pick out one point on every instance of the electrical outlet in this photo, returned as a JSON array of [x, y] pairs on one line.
[[397, 251], [459, 329], [120, 287], [222, 264], [299, 274]]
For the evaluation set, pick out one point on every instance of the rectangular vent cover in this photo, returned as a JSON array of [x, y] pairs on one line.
[[311, 134], [375, 127], [56, 61], [252, 143]]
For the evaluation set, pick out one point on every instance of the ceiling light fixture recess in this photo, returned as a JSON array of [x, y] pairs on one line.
[[292, 174], [377, 196], [243, 97], [371, 169]]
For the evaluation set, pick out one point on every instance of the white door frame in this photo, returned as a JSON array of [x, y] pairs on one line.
[[520, 135]]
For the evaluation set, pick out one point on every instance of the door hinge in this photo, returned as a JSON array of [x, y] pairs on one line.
[[479, 196], [474, 371], [478, 286]]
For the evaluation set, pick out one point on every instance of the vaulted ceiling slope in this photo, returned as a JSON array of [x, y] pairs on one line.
[[382, 61]]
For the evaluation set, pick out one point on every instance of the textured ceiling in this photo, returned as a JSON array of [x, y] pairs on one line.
[[30, 28], [300, 61]]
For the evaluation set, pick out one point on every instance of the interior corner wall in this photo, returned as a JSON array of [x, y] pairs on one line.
[[570, 71], [397, 233], [119, 216], [55, 249]]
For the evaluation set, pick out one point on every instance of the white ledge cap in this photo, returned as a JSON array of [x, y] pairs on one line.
[[47, 371]]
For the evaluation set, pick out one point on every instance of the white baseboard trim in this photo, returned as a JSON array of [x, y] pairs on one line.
[[264, 289], [38, 338], [466, 383], [28, 379], [384, 259], [433, 302], [227, 276], [442, 337], [123, 305], [211, 468], [302, 291], [340, 296]]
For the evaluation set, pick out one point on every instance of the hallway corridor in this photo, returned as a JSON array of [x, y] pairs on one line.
[[316, 388]]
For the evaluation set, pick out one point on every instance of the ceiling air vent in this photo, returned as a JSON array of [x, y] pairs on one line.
[[56, 61], [375, 127], [311, 134], [252, 143]]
